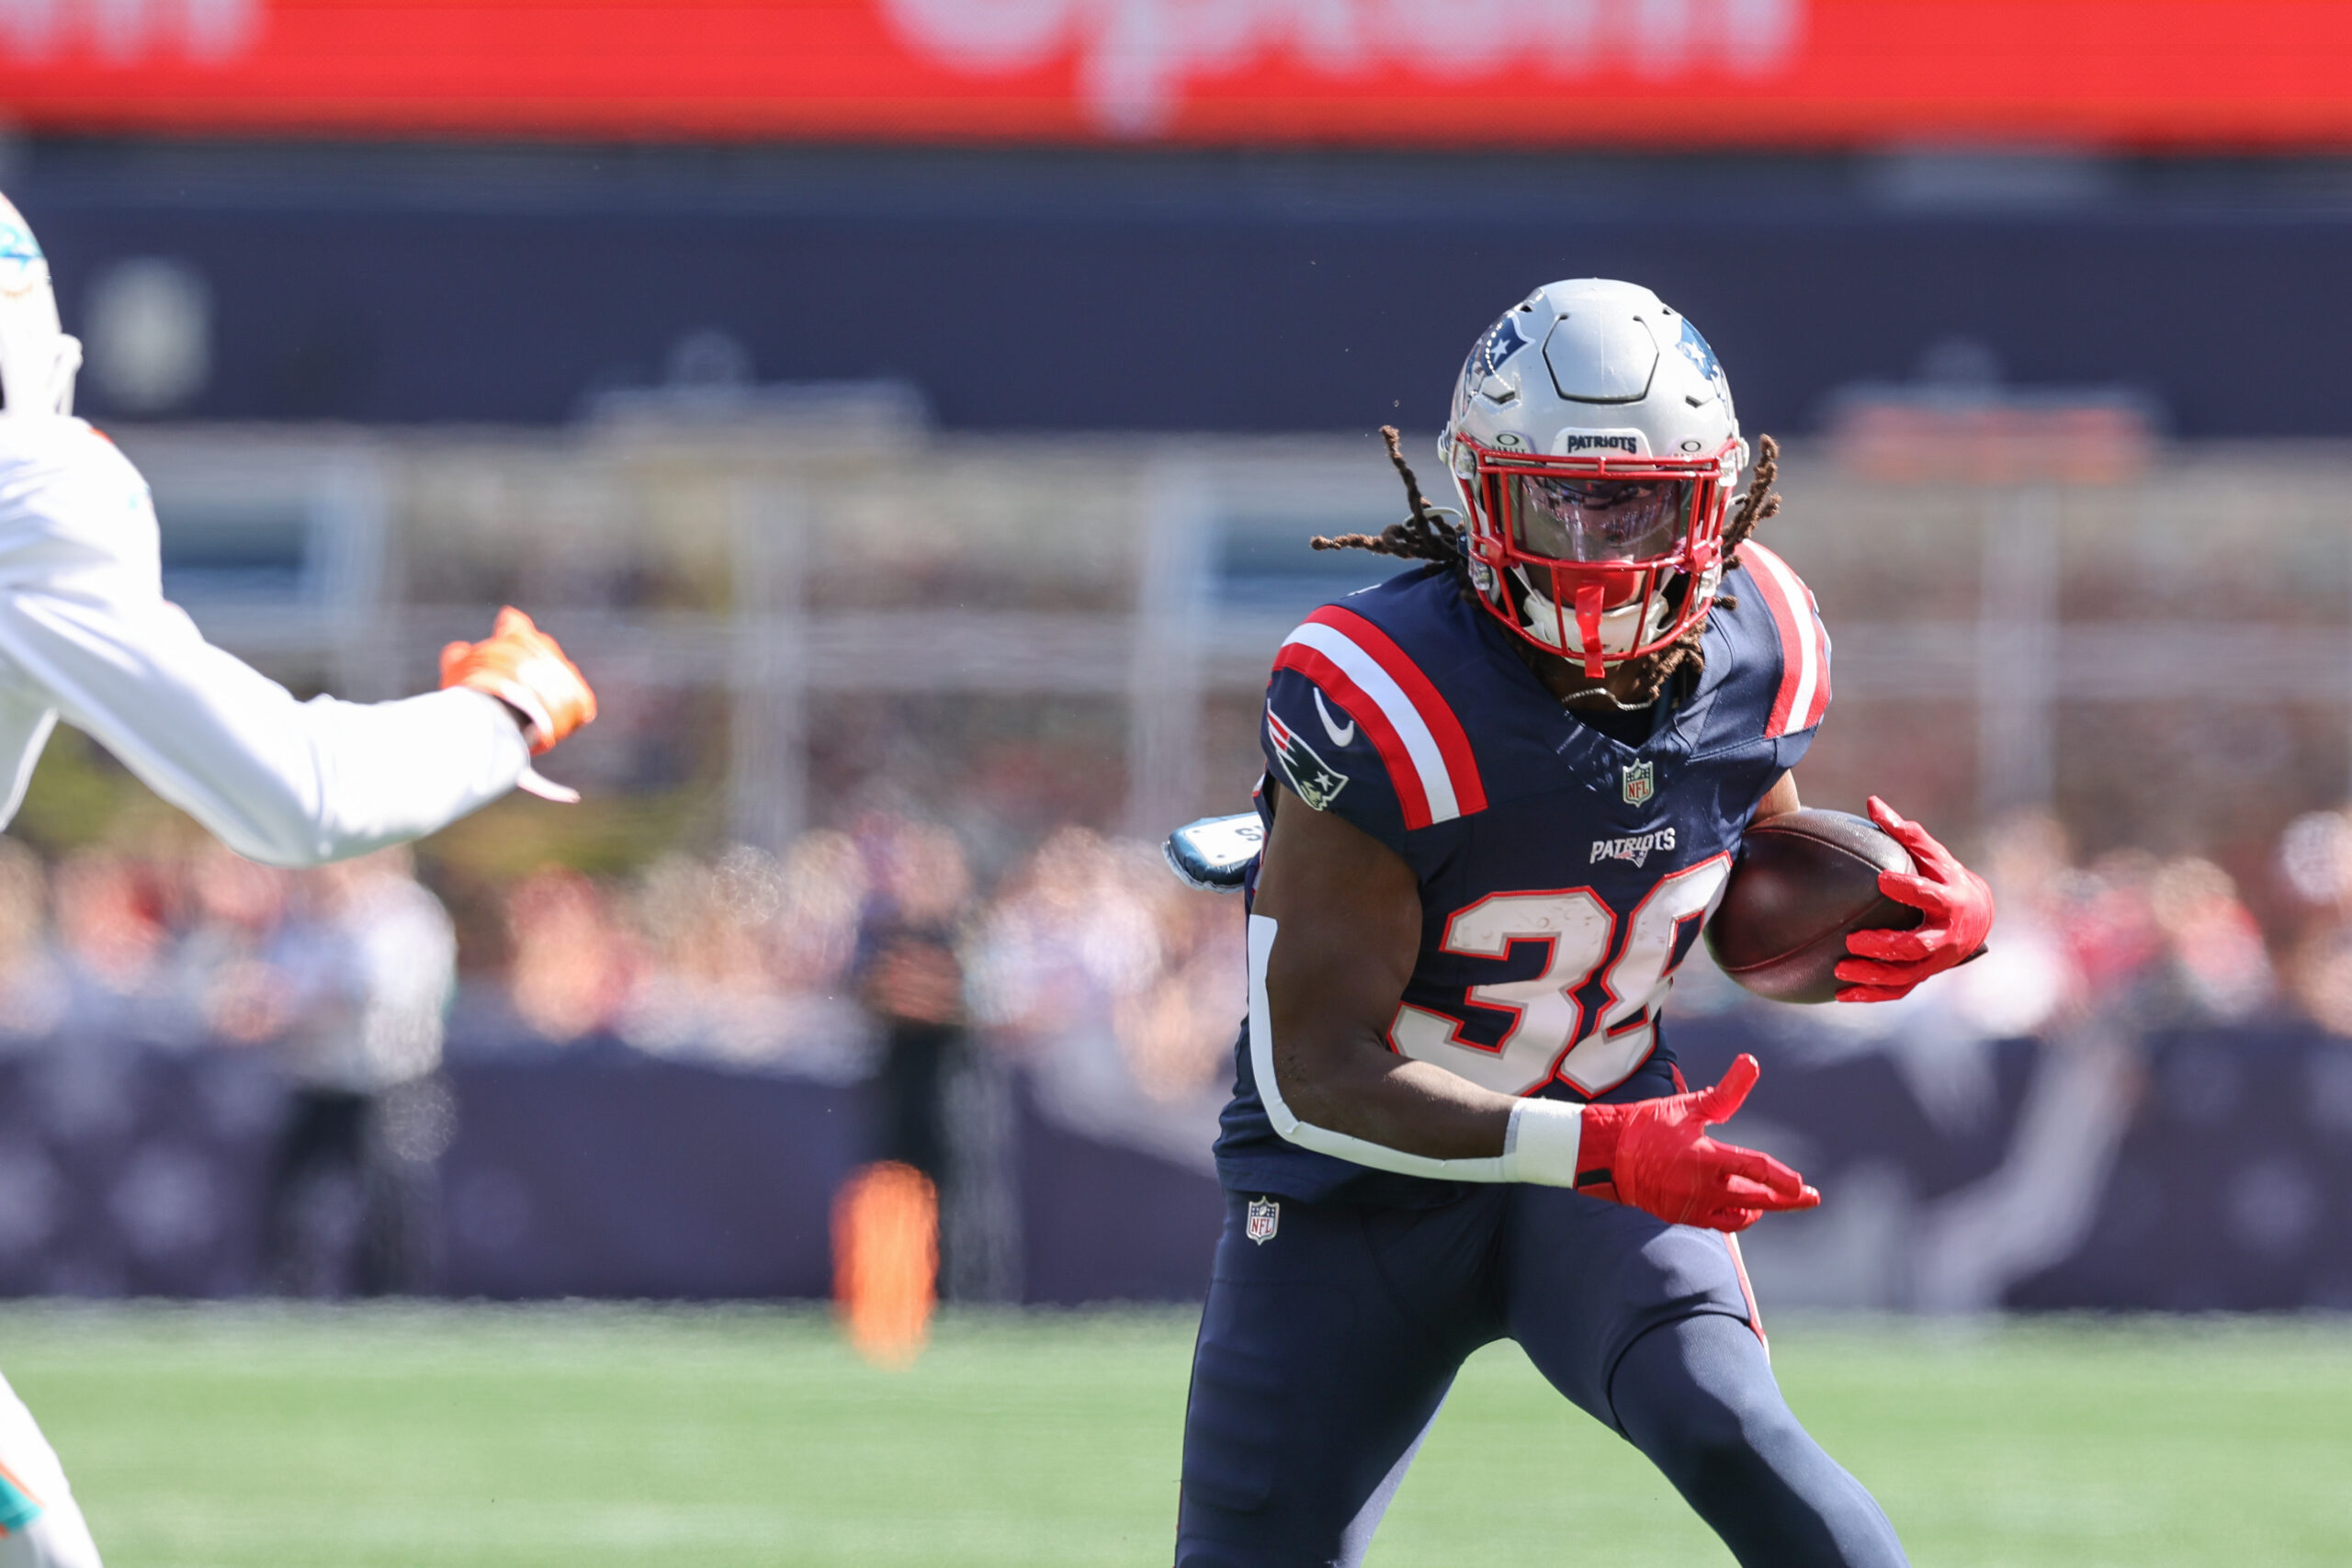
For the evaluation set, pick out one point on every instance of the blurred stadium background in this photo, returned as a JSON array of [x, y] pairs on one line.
[[911, 413]]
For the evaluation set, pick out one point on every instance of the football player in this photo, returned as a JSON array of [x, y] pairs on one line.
[[1504, 792], [86, 635]]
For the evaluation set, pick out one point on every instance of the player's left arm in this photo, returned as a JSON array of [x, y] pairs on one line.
[[1955, 902]]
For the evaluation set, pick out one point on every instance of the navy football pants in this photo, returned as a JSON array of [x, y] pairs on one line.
[[1326, 1350]]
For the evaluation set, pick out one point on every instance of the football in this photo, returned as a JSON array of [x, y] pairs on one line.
[[1803, 882]]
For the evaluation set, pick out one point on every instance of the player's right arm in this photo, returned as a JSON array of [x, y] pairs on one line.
[[87, 634], [1335, 931], [282, 782], [1347, 913]]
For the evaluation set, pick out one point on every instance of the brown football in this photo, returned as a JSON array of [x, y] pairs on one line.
[[1804, 882]]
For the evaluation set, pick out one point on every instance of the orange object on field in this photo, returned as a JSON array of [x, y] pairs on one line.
[[886, 1261]]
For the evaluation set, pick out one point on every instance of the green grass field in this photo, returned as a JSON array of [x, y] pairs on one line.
[[243, 1438]]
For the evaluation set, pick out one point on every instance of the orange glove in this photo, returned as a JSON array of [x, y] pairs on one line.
[[521, 666], [1655, 1155]]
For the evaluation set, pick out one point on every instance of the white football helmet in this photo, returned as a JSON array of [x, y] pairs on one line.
[[1595, 446], [37, 357]]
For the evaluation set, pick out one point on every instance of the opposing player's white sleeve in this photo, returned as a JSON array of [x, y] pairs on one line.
[[85, 633], [280, 781], [1540, 1147]]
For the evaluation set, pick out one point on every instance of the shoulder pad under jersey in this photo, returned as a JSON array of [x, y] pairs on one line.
[[1353, 725], [1782, 649]]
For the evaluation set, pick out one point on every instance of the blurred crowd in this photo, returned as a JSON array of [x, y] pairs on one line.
[[853, 945], [814, 959], [346, 972], [848, 938]]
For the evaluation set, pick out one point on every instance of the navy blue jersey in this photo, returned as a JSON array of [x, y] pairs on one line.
[[1564, 874]]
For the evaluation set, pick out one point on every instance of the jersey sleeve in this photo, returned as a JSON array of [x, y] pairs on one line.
[[1353, 726], [1317, 749], [1797, 697], [87, 634], [283, 782]]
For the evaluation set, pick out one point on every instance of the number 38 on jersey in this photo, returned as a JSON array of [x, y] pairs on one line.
[[1589, 1018]]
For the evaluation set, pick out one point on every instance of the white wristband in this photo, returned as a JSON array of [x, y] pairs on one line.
[[1542, 1143]]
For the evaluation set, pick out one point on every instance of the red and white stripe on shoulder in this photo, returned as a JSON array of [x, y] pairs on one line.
[[1408, 722], [1804, 696]]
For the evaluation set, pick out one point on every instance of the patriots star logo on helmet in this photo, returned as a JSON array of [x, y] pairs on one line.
[[1265, 1218], [1641, 782], [1502, 341], [1311, 778], [1694, 348]]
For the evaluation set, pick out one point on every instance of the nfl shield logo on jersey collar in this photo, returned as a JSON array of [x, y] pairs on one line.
[[1265, 1217], [1641, 782]]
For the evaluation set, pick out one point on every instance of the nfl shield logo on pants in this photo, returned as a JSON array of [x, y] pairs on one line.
[[1641, 782], [1264, 1215]]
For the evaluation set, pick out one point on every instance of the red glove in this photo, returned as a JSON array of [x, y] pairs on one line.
[[1654, 1156], [1959, 908]]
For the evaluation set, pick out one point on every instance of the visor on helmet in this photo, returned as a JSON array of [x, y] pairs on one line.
[[1582, 519], [1618, 554]]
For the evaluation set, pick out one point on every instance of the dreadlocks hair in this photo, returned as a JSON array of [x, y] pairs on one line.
[[1425, 537], [1760, 503]]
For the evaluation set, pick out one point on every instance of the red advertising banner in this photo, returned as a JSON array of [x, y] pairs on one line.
[[2153, 73]]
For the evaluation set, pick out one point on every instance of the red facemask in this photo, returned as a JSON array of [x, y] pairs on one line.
[[1601, 541]]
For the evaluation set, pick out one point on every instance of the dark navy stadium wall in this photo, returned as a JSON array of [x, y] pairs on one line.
[[599, 1172], [1184, 292]]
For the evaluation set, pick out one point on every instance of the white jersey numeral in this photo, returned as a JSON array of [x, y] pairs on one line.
[[1551, 1034]]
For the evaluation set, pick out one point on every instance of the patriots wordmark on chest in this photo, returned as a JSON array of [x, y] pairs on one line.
[[1635, 847], [1641, 782]]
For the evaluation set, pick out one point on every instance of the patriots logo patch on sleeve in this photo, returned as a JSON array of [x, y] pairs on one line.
[[1311, 778]]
